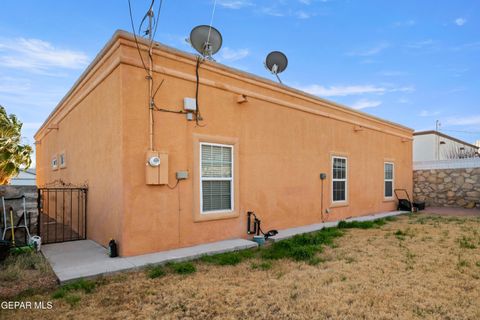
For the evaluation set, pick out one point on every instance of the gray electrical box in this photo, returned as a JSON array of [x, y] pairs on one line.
[[182, 175]]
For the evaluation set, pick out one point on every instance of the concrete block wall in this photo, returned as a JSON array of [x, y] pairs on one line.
[[447, 187]]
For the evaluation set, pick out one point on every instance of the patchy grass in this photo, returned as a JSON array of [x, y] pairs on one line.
[[265, 265], [466, 242], [368, 275], [182, 267], [362, 224], [25, 273], [155, 271], [301, 247], [229, 258]]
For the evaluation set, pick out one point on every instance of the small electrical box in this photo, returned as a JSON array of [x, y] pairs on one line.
[[323, 176], [182, 175], [156, 171], [189, 104]]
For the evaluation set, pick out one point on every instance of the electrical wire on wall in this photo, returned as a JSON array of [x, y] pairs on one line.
[[150, 32]]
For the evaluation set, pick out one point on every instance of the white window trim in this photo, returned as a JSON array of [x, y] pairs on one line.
[[392, 180], [231, 179], [346, 180]]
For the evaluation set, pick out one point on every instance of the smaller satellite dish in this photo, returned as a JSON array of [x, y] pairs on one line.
[[276, 62], [206, 40]]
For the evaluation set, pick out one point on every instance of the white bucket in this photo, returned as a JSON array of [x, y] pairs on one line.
[[36, 241]]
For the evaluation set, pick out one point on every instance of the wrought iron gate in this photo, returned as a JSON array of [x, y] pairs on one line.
[[62, 214]]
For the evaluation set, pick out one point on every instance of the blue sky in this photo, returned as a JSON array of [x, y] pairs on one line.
[[410, 62]]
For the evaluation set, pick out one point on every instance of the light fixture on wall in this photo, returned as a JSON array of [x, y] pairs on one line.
[[442, 142]]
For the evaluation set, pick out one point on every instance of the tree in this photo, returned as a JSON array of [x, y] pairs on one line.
[[14, 156]]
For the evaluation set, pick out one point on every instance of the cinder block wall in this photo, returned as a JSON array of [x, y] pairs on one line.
[[447, 187]]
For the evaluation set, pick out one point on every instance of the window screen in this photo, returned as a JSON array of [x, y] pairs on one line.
[[388, 177], [339, 179], [216, 177]]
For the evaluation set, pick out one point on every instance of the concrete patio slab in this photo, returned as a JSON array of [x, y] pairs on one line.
[[288, 233], [86, 258]]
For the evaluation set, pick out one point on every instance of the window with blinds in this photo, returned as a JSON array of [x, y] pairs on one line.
[[216, 178], [388, 179], [339, 179]]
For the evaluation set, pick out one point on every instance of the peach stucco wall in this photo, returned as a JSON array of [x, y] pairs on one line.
[[284, 139]]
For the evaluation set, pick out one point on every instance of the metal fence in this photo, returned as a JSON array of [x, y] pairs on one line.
[[62, 214], [447, 164]]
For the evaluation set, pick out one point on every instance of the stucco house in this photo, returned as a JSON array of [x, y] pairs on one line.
[[260, 146], [435, 145]]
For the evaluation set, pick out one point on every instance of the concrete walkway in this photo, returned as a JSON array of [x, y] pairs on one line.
[[85, 258], [288, 233]]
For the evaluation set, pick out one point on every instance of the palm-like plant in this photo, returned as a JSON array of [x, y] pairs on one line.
[[14, 156]]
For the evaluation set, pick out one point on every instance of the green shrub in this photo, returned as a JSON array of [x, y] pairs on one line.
[[182, 267]]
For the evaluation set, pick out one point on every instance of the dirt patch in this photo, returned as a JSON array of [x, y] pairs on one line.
[[413, 268]]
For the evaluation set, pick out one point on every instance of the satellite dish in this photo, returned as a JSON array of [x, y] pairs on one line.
[[206, 40], [276, 62]]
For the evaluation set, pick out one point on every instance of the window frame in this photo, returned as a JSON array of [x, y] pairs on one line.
[[231, 179], [62, 156], [54, 163], [390, 180], [344, 201]]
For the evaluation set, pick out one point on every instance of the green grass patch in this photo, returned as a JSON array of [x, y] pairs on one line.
[[229, 258], [182, 267], [301, 247], [84, 285], [155, 272], [362, 224], [466, 243], [73, 299]]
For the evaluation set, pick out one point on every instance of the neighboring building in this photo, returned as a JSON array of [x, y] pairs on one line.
[[260, 147], [435, 145], [24, 178]]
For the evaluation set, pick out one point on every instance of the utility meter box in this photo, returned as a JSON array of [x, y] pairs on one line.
[[156, 164], [189, 104]]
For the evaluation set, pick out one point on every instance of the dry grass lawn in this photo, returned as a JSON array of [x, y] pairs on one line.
[[418, 267]]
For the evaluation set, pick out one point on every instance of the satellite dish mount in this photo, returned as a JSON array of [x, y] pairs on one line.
[[276, 62]]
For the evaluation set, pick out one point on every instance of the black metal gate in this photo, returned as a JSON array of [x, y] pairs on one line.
[[62, 214]]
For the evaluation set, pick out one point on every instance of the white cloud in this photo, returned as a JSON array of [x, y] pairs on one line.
[[228, 54], [460, 21], [421, 44], [307, 2], [36, 55], [393, 73], [407, 23], [303, 15], [370, 51], [234, 4], [463, 121], [426, 113], [339, 91], [365, 103], [272, 11]]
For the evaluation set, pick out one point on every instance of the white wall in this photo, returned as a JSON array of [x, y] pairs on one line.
[[424, 147], [427, 147]]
